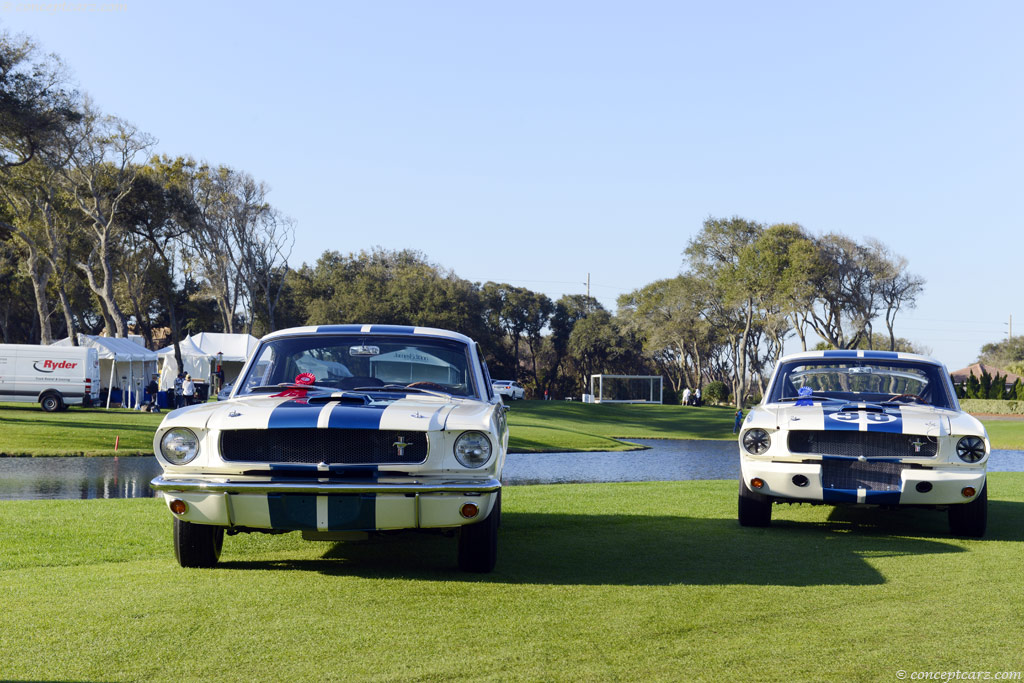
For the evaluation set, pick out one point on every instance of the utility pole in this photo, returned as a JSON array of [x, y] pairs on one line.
[[587, 283]]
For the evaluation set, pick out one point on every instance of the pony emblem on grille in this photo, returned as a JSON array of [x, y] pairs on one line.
[[400, 445]]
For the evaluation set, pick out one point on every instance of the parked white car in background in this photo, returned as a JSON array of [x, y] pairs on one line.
[[863, 428], [509, 389], [339, 432]]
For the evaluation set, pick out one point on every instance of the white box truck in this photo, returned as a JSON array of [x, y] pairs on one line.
[[52, 376]]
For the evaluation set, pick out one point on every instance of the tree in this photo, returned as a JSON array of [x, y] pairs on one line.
[[37, 101], [717, 254], [100, 176], [669, 317], [897, 288]]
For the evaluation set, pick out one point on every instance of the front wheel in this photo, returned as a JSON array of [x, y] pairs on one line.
[[755, 509], [970, 519], [197, 545], [478, 543]]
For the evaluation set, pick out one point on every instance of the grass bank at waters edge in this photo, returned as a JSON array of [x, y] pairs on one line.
[[535, 426], [648, 581], [539, 426], [25, 429]]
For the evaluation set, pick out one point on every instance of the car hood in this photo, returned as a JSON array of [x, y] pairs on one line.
[[864, 417], [279, 412]]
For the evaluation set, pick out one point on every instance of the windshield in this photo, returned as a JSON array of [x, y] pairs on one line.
[[861, 381], [347, 362]]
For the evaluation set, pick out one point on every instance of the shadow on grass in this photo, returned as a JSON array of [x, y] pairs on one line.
[[634, 550]]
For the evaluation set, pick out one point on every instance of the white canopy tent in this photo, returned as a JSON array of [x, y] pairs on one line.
[[124, 364], [201, 352], [411, 364], [196, 361]]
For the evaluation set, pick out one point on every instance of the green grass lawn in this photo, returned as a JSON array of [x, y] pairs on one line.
[[25, 429], [599, 582], [538, 426], [535, 426]]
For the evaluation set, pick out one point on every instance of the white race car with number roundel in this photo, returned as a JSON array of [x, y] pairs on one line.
[[867, 428], [338, 432]]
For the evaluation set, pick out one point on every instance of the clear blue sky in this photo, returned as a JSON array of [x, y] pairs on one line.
[[536, 142]]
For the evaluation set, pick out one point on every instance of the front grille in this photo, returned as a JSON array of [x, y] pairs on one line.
[[331, 446], [853, 474], [867, 444]]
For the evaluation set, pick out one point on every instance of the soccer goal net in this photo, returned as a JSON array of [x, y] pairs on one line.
[[626, 388]]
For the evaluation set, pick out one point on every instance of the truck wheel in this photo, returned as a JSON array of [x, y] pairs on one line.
[[755, 509], [51, 403], [478, 543], [197, 545], [970, 519]]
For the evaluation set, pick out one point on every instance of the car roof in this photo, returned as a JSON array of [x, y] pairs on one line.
[[397, 330], [859, 354]]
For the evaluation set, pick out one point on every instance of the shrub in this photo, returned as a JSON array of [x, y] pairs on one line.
[[715, 392]]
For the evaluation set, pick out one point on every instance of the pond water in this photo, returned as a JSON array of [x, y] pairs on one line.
[[664, 460]]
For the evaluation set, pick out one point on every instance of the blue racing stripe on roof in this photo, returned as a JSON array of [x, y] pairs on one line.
[[844, 353], [355, 417], [392, 329], [293, 415], [892, 355]]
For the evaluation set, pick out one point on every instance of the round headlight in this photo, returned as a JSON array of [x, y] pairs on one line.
[[179, 446], [473, 449], [756, 441], [970, 449]]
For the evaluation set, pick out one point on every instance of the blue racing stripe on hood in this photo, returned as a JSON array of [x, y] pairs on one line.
[[839, 420], [294, 414], [355, 417]]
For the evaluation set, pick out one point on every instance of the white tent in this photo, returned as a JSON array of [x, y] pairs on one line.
[[411, 364], [124, 365], [201, 352], [196, 361]]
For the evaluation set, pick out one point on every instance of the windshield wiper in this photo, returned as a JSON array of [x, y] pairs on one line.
[[809, 397], [401, 388], [290, 385]]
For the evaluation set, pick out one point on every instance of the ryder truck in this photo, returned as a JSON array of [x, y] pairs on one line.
[[52, 376]]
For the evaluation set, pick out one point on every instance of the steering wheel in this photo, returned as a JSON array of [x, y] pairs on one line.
[[899, 398]]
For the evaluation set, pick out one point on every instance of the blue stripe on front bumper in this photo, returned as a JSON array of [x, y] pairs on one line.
[[297, 511], [870, 497]]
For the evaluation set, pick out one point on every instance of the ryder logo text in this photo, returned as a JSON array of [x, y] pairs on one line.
[[52, 365]]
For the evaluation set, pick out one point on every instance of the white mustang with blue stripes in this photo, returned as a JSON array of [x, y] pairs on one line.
[[863, 427], [339, 431]]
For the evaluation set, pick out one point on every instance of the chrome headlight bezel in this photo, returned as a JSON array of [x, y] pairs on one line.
[[473, 449], [179, 446], [971, 449], [756, 441]]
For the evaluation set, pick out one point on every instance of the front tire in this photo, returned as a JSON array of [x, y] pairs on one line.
[[478, 543], [197, 545], [970, 519], [755, 509]]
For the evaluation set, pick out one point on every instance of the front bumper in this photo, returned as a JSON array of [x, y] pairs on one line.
[[350, 505], [944, 484]]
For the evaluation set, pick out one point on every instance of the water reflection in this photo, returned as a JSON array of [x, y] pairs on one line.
[[664, 460], [69, 478]]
